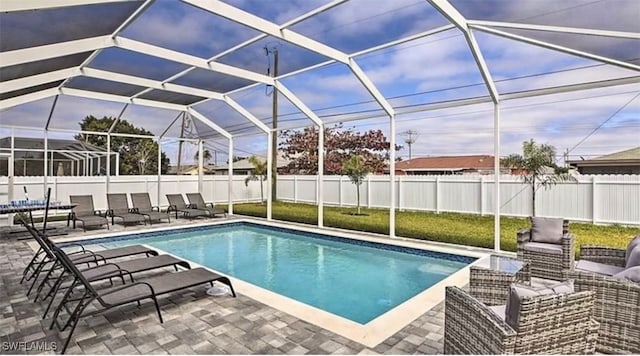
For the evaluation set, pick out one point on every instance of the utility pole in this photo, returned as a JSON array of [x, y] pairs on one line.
[[410, 137], [274, 137], [180, 144]]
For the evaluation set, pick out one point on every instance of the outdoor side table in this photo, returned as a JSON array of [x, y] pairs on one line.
[[491, 277]]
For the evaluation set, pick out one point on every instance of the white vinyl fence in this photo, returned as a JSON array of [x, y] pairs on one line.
[[599, 198]]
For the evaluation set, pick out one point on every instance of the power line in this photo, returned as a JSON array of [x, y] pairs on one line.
[[604, 122]]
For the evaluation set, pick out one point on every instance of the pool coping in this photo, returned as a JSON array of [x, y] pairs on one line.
[[370, 334]]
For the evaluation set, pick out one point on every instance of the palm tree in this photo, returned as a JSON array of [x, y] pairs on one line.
[[357, 171], [538, 167], [258, 172], [206, 156]]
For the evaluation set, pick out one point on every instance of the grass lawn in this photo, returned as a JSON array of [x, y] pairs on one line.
[[465, 229]]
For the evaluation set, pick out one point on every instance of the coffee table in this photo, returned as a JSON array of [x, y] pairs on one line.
[[491, 277]]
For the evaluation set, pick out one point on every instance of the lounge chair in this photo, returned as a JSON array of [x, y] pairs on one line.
[[100, 271], [177, 204], [44, 258], [116, 296], [85, 212], [142, 205], [197, 202], [119, 208]]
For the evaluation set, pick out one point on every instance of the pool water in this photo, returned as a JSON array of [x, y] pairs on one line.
[[353, 279]]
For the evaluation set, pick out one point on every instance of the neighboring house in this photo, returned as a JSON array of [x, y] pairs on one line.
[[191, 169], [446, 165], [64, 157], [623, 162], [244, 167]]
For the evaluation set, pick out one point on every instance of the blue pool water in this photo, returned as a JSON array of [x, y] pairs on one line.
[[354, 279]]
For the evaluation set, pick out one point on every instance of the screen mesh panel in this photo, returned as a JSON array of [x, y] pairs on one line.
[[39, 67], [171, 97], [24, 29], [32, 89], [214, 81], [103, 86], [137, 64]]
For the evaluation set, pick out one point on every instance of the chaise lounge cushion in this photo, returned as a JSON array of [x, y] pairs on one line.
[[517, 292], [543, 248], [499, 310], [632, 255], [599, 268], [632, 274], [546, 230]]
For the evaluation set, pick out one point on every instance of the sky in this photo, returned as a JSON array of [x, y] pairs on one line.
[[437, 68]]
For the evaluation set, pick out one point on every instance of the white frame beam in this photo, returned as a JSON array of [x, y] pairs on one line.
[[24, 5], [555, 47], [60, 49], [562, 29], [452, 14]]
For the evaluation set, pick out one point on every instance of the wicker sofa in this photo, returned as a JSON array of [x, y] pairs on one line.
[[547, 260], [548, 324], [617, 301]]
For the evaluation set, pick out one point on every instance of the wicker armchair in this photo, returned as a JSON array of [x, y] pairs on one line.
[[550, 324], [543, 264], [617, 301]]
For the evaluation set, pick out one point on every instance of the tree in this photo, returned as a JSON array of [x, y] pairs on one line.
[[259, 173], [206, 156], [357, 171], [538, 167], [137, 155], [301, 149]]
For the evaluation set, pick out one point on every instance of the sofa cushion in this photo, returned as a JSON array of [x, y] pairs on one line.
[[632, 259], [599, 268], [517, 292], [543, 248], [632, 274], [546, 230], [499, 310]]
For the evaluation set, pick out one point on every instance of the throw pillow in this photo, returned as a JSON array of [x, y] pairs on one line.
[[517, 292], [632, 244], [547, 230], [632, 274], [633, 259]]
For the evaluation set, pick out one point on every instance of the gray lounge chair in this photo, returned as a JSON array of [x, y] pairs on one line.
[[116, 296], [177, 204], [119, 208], [142, 205], [196, 201], [100, 271], [85, 212]]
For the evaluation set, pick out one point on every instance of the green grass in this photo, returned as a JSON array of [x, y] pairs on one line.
[[463, 229]]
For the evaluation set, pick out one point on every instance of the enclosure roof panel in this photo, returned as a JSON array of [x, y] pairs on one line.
[[391, 56]]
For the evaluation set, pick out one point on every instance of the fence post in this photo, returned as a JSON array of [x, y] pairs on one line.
[[369, 191], [340, 191], [593, 199], [482, 195], [400, 191], [437, 194], [295, 189]]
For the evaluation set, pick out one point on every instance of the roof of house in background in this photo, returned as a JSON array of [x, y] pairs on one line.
[[446, 163], [245, 164], [627, 156]]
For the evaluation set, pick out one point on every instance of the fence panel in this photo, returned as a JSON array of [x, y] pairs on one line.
[[600, 198]]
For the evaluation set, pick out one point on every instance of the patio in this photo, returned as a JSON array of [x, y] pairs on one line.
[[195, 323]]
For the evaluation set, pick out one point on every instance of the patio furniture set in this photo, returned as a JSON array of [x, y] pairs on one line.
[[142, 211], [594, 308]]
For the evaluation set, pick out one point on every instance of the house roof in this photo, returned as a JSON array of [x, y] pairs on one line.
[[245, 164], [446, 163], [631, 156]]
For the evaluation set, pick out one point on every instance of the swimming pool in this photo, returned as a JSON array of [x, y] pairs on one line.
[[357, 280]]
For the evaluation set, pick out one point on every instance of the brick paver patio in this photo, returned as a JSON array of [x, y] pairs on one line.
[[195, 323]]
